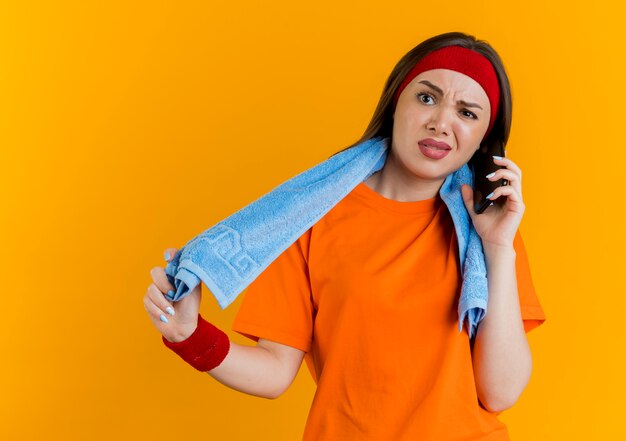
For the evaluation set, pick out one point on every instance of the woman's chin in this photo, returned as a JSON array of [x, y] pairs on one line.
[[435, 172]]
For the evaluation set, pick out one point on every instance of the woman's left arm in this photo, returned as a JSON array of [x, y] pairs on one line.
[[501, 355]]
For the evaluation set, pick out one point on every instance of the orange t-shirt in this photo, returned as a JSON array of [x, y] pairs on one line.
[[370, 293]]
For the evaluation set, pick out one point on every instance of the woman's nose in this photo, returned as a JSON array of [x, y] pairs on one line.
[[439, 122]]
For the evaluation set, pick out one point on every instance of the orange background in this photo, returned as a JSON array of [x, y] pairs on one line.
[[128, 127]]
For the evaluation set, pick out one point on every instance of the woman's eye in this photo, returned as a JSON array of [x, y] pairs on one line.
[[424, 98], [468, 114]]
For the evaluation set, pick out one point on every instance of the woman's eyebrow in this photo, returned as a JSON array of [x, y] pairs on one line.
[[440, 92], [466, 104]]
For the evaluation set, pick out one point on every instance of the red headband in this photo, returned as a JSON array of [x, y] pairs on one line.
[[465, 61]]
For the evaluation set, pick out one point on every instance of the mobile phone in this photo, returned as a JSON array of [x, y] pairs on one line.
[[482, 164]]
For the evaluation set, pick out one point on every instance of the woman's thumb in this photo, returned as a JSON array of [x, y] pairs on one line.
[[169, 253]]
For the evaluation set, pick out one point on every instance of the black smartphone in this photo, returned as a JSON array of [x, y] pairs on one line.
[[482, 164]]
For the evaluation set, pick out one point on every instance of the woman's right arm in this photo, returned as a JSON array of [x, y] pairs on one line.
[[265, 370]]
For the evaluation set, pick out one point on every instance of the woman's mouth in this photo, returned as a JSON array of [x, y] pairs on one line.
[[433, 149]]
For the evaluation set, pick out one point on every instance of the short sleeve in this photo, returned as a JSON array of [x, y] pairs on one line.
[[277, 305], [532, 312]]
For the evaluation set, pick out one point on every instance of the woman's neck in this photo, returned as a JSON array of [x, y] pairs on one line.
[[396, 183]]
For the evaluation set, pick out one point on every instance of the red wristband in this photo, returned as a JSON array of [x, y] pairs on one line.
[[205, 349]]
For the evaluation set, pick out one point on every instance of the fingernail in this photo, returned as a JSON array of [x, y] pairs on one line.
[[163, 318], [490, 175], [497, 157], [490, 194], [171, 293], [170, 310], [167, 255]]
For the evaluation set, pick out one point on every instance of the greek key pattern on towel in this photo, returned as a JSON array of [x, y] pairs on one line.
[[226, 243]]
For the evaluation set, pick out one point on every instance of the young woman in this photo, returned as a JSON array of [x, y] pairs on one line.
[[368, 295]]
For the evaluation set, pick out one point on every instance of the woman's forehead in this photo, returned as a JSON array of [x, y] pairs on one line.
[[451, 81]]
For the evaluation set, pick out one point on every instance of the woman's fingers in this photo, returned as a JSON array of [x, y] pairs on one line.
[[504, 173], [511, 173], [508, 163], [157, 298], [512, 178], [156, 305], [159, 278], [174, 323], [511, 193]]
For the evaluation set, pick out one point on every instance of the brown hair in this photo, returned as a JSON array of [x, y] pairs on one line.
[[381, 123]]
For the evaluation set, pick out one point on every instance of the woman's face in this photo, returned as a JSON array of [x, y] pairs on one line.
[[444, 106]]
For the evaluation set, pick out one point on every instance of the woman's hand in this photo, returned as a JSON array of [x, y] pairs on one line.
[[181, 316], [498, 224]]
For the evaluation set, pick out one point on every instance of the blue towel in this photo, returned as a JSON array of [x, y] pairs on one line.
[[230, 255]]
